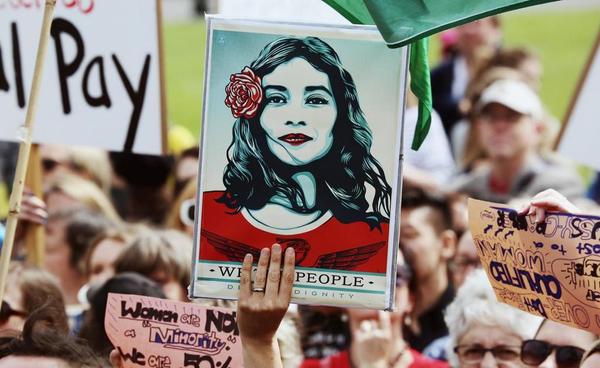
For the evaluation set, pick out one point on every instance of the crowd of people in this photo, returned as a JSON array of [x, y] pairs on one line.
[[121, 222]]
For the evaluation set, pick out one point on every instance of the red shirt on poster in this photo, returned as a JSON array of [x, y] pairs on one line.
[[228, 236]]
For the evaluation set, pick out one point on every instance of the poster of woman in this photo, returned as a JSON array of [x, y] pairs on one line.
[[301, 141]]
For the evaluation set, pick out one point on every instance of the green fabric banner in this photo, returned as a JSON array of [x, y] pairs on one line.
[[402, 22]]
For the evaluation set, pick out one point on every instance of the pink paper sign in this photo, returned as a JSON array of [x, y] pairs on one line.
[[159, 333]]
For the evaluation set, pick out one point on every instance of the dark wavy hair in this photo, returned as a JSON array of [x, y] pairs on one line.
[[253, 174]]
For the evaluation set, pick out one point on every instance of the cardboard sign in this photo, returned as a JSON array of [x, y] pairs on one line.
[[101, 84], [581, 126], [161, 333], [551, 269], [300, 145]]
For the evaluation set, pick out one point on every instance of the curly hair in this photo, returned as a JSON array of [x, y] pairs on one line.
[[254, 175]]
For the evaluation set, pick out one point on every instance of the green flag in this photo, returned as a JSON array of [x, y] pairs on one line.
[[420, 85], [404, 21]]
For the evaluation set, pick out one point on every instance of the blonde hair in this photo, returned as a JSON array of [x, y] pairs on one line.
[[123, 234], [92, 163], [173, 220], [152, 251], [85, 192]]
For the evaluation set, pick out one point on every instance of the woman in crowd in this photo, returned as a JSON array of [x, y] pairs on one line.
[[165, 256], [484, 332], [557, 346], [31, 289]]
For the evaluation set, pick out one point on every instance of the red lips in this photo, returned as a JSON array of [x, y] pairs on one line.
[[295, 139]]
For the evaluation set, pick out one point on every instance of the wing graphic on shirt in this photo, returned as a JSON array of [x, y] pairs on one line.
[[236, 251], [232, 249], [349, 258]]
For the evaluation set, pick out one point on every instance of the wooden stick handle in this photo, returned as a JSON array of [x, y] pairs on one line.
[[24, 148]]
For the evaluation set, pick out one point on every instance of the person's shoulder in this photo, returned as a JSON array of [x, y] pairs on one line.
[[474, 180]]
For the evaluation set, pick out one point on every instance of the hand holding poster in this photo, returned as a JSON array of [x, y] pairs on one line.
[[161, 333], [300, 146], [551, 269]]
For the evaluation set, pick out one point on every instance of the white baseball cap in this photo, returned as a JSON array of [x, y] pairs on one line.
[[513, 94]]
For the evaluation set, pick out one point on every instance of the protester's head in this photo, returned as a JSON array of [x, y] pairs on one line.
[[87, 162], [164, 256], [69, 191], [182, 213], [28, 290], [591, 359], [507, 120], [40, 345], [325, 132], [481, 36], [465, 261], [521, 59], [104, 251], [557, 346], [69, 234], [484, 332], [146, 192], [426, 236], [131, 283]]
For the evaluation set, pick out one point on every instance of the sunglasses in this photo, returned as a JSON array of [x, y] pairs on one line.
[[534, 352], [6, 311], [187, 212], [471, 354], [49, 164]]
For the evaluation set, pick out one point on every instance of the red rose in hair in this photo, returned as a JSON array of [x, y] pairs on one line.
[[244, 94]]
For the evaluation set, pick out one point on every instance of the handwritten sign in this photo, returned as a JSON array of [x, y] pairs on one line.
[[551, 269], [159, 333], [102, 75]]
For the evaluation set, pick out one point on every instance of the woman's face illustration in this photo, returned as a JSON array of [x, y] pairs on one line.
[[299, 113]]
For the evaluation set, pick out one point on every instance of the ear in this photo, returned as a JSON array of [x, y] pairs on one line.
[[449, 241]]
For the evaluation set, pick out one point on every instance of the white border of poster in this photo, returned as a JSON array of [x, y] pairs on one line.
[[344, 257]]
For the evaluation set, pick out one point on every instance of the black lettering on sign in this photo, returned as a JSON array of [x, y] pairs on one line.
[[4, 86], [17, 65], [66, 69], [136, 97], [135, 357], [195, 361], [103, 99], [148, 313], [223, 322]]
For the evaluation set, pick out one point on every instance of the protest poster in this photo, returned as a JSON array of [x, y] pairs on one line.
[[102, 85], [301, 140], [160, 333], [580, 127], [550, 269]]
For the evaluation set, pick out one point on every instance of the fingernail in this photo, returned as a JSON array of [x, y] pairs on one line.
[[264, 251], [289, 251], [248, 257], [276, 246]]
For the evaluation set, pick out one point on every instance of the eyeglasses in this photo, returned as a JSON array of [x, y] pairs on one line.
[[469, 354], [6, 311], [534, 352], [187, 212]]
